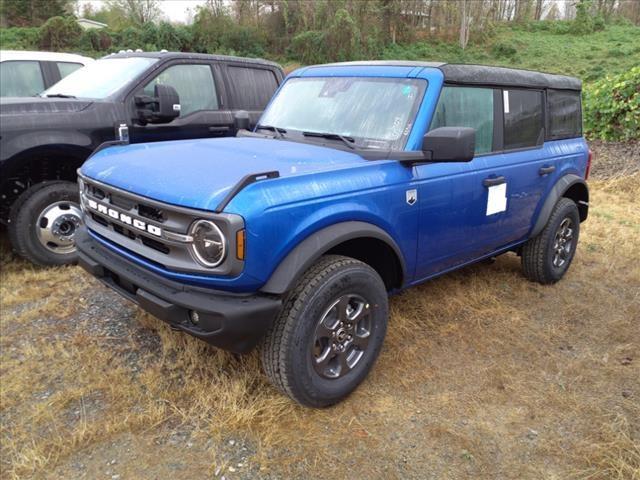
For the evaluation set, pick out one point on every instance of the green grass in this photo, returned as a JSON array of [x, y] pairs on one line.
[[611, 51]]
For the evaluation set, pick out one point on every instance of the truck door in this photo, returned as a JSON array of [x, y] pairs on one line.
[[203, 109], [250, 87], [452, 228]]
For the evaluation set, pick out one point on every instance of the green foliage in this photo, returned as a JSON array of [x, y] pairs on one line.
[[503, 49], [19, 38], [309, 47], [59, 33], [30, 13], [612, 107]]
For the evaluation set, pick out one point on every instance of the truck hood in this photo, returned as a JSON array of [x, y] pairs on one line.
[[199, 173], [31, 105]]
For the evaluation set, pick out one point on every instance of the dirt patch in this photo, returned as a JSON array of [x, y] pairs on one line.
[[483, 375]]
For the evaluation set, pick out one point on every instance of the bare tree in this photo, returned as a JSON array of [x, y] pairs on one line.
[[138, 11], [465, 24]]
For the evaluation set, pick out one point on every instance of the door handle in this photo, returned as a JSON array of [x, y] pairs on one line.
[[493, 181], [547, 170]]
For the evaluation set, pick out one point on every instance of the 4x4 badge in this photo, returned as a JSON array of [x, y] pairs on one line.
[[412, 196]]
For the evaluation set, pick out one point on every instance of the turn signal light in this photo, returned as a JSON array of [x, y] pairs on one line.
[[240, 237]]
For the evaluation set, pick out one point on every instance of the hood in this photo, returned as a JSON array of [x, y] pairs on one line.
[[199, 173], [30, 105]]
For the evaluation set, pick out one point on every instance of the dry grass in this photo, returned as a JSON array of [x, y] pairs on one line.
[[483, 375]]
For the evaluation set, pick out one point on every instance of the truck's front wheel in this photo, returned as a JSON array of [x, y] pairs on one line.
[[329, 333], [43, 222]]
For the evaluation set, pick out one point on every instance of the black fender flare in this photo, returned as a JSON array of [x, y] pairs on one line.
[[557, 192], [298, 260]]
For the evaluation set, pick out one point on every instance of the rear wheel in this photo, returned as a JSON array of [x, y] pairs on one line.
[[547, 257], [329, 332], [43, 222]]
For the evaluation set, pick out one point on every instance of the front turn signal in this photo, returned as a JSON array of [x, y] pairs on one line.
[[240, 237]]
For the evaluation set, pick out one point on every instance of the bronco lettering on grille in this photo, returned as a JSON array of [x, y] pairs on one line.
[[124, 218]]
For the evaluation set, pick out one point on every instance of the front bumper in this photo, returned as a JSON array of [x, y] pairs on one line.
[[229, 321]]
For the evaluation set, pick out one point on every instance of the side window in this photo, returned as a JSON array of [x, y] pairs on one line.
[[20, 79], [523, 123], [467, 107], [65, 68], [252, 87], [194, 84], [564, 114]]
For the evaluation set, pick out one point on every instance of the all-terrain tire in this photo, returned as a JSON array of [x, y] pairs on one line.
[[24, 215], [287, 347], [539, 253]]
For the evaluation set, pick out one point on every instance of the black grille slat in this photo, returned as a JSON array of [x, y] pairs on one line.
[[151, 213]]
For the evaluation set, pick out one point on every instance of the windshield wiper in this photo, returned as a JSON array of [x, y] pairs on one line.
[[348, 141], [277, 130], [60, 95]]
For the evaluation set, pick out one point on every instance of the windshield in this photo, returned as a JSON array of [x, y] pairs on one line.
[[101, 78], [374, 112]]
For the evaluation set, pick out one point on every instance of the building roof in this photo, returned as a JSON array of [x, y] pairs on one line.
[[479, 74], [92, 22]]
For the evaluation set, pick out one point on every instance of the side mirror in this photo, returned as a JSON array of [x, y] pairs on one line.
[[163, 107], [241, 120], [450, 144]]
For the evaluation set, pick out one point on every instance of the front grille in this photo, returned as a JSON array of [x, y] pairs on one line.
[[153, 230]]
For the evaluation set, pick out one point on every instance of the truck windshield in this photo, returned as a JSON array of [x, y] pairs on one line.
[[100, 79], [371, 112]]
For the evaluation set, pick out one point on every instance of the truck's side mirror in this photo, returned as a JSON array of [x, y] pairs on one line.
[[450, 144], [241, 120], [163, 107]]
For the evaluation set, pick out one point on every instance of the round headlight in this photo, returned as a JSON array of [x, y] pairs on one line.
[[209, 245]]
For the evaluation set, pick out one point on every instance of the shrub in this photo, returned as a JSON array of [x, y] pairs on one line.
[[612, 107], [503, 49], [19, 38], [308, 47], [59, 33]]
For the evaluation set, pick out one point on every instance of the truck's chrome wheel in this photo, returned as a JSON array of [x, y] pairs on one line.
[[56, 226], [563, 243], [341, 336]]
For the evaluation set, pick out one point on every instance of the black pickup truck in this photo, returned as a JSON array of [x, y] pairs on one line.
[[135, 97]]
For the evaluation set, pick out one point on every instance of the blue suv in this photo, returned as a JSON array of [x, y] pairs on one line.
[[360, 179]]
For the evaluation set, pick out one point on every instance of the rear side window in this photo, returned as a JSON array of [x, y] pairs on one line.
[[467, 107], [65, 68], [252, 87], [194, 84], [20, 79], [523, 121], [565, 117]]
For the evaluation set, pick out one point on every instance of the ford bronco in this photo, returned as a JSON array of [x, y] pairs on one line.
[[138, 96], [360, 179]]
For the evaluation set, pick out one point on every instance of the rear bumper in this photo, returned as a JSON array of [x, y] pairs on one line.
[[229, 321]]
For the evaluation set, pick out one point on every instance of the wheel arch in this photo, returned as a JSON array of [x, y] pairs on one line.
[[360, 240], [569, 186], [36, 165]]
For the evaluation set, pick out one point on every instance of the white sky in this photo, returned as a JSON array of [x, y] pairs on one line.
[[173, 10]]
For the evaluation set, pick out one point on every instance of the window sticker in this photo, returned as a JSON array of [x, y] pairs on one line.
[[505, 96], [497, 199]]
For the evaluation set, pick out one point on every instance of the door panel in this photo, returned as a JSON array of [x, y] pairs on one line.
[[202, 113]]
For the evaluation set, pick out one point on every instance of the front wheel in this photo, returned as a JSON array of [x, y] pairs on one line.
[[329, 332], [43, 222]]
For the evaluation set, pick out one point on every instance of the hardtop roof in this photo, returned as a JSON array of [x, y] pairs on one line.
[[192, 56], [478, 74]]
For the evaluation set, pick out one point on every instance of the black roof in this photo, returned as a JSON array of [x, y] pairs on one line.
[[508, 77], [192, 56], [482, 74]]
